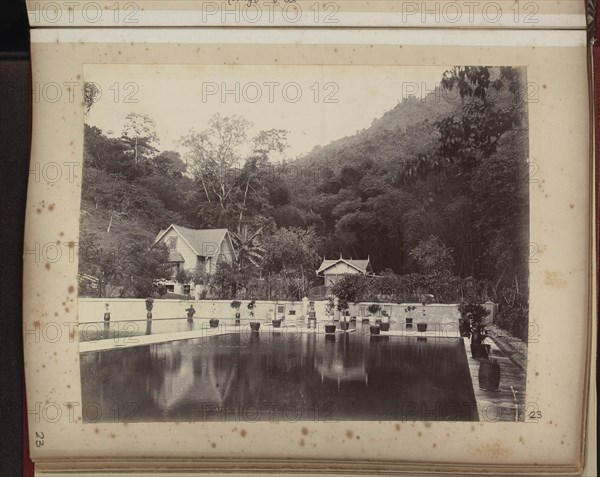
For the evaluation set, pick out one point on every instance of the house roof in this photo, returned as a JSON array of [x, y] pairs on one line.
[[204, 242], [175, 256], [362, 266]]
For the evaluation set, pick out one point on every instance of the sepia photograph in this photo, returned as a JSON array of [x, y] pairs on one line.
[[304, 243]]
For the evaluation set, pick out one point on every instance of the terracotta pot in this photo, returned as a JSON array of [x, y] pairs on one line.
[[344, 325], [213, 322], [422, 327], [276, 323], [375, 330], [409, 321], [489, 375], [480, 350], [385, 326], [254, 325], [329, 329]]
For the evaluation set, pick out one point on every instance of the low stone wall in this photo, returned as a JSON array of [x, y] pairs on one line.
[[434, 313], [121, 309]]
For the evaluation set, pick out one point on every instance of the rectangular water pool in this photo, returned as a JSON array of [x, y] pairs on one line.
[[277, 376]]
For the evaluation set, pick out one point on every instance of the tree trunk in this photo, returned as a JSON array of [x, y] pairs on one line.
[[243, 205], [109, 223]]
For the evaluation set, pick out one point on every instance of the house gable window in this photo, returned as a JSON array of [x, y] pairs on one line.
[[172, 243]]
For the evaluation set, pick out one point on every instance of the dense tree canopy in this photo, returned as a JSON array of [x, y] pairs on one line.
[[437, 185]]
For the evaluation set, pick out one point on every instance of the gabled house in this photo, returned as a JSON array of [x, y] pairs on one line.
[[195, 250], [334, 270]]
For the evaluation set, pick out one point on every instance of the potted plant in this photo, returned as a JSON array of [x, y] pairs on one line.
[[470, 314], [342, 307], [329, 311], [374, 308], [375, 329], [475, 314], [311, 315], [409, 319], [279, 311], [479, 349], [385, 323], [426, 299], [312, 318], [272, 316], [489, 374], [254, 325], [214, 322], [235, 304], [106, 312], [149, 306], [464, 325]]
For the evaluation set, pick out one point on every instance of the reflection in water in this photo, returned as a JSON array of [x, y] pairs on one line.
[[264, 376], [339, 363]]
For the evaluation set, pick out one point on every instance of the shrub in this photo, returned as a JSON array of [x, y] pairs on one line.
[[183, 276], [446, 287], [474, 311], [515, 320], [343, 306], [251, 307], [330, 307], [471, 320]]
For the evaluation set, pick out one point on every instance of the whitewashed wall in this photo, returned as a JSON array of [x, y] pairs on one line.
[[92, 309]]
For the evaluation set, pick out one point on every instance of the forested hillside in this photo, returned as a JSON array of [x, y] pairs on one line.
[[435, 184]]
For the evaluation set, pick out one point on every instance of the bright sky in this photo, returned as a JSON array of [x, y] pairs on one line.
[[317, 104]]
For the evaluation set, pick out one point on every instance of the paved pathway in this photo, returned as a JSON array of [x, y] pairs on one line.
[[506, 404]]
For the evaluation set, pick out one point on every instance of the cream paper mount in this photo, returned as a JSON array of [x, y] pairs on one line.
[[146, 388]]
